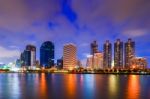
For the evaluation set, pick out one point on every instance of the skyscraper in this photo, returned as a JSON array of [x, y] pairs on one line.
[[47, 54], [95, 61], [89, 61], [94, 47], [118, 54], [60, 63], [69, 56], [32, 51], [22, 58], [28, 57], [129, 52], [107, 58]]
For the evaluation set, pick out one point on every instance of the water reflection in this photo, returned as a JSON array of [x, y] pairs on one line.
[[133, 88], [71, 85], [43, 86], [13, 86], [113, 84]]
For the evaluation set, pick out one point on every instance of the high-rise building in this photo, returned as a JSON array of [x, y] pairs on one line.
[[60, 63], [129, 52], [69, 56], [22, 59], [94, 47], [32, 51], [28, 57], [47, 54], [118, 54], [95, 61], [107, 58], [89, 61]]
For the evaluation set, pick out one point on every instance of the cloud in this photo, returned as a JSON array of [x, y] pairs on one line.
[[6, 53], [135, 33], [77, 21]]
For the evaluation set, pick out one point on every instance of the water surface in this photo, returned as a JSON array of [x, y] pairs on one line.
[[73, 86]]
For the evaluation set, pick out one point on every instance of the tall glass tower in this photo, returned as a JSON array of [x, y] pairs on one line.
[[107, 58], [129, 52], [31, 51], [47, 54], [118, 54], [94, 47], [28, 57]]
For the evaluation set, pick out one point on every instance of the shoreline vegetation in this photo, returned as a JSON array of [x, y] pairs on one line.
[[104, 71]]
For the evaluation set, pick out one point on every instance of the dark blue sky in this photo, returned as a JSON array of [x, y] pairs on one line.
[[25, 22]]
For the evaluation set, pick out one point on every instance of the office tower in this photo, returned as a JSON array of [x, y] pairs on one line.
[[95, 61], [118, 54], [129, 52], [22, 58], [98, 60], [94, 47], [32, 52], [47, 54], [60, 63], [28, 57], [69, 56], [89, 61], [107, 58]]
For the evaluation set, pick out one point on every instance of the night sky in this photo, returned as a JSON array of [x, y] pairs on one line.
[[25, 22]]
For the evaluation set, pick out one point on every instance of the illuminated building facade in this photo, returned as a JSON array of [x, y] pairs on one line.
[[118, 54], [138, 63], [89, 61], [107, 58], [47, 54], [95, 61], [69, 56], [129, 52]]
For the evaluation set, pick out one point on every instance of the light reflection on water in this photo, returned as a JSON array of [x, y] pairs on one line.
[[73, 86], [113, 84], [43, 86], [133, 87]]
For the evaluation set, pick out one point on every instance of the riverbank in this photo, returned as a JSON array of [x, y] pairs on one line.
[[116, 72]]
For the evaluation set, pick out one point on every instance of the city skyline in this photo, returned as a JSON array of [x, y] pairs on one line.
[[110, 50], [74, 49], [29, 22], [119, 56]]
